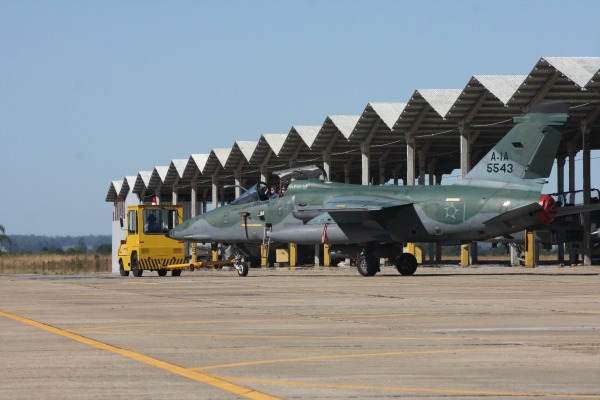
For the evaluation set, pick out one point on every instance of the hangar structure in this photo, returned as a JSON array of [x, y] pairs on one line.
[[433, 133]]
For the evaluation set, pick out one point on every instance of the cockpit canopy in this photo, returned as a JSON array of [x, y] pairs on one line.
[[258, 192]]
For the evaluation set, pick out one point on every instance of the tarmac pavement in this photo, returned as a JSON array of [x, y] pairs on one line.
[[312, 333]]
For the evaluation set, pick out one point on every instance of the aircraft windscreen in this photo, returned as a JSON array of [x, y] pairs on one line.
[[257, 192]]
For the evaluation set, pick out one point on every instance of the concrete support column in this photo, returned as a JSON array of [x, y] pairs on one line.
[[194, 195], [327, 164], [560, 172], [215, 191], [587, 243], [194, 211], [317, 255], [410, 159], [365, 151], [572, 152], [560, 187], [175, 191], [467, 137], [237, 177], [410, 174], [465, 149]]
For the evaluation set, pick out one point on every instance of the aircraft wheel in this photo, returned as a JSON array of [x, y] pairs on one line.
[[162, 272], [122, 270], [406, 264], [135, 267], [367, 265], [242, 268], [176, 272]]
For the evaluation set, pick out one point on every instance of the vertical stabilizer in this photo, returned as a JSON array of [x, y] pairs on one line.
[[526, 154]]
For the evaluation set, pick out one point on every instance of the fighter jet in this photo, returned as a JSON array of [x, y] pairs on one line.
[[499, 196]]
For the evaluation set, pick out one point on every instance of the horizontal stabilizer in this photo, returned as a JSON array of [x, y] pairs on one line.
[[515, 214], [569, 210]]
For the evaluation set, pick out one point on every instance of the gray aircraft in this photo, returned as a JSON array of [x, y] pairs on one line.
[[499, 196]]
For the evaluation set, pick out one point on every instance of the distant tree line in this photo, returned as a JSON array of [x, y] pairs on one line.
[[20, 244]]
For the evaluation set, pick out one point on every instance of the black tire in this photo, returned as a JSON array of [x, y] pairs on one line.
[[367, 265], [406, 264], [162, 272], [122, 270], [176, 272], [242, 269], [135, 266]]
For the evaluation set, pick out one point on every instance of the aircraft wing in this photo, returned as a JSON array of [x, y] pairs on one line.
[[345, 209], [360, 203]]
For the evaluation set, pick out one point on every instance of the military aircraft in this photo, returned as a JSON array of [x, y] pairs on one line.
[[499, 196]]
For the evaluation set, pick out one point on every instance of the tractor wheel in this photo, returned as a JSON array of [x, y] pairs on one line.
[[122, 270], [135, 266]]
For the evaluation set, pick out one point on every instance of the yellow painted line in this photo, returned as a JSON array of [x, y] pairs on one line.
[[252, 225], [413, 389], [391, 353], [175, 369], [334, 357]]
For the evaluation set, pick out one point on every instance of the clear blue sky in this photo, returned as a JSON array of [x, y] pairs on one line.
[[92, 91]]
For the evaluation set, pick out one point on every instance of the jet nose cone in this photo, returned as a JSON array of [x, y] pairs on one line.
[[168, 234]]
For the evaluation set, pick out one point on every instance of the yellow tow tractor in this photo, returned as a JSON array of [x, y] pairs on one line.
[[146, 247]]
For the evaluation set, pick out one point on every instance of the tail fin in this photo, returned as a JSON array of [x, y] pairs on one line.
[[526, 154]]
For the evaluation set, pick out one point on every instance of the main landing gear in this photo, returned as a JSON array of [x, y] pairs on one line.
[[368, 264]]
